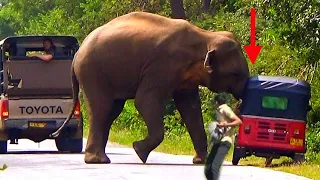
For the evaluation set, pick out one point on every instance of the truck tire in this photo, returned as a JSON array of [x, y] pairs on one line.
[[69, 145], [3, 147]]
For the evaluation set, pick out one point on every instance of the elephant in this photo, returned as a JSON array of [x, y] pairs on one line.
[[152, 59]]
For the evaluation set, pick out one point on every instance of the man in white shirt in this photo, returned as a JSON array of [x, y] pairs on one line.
[[227, 120]]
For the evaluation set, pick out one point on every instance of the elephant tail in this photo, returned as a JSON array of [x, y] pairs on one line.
[[75, 93]]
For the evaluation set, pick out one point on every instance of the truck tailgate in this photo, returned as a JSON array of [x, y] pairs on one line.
[[39, 108]]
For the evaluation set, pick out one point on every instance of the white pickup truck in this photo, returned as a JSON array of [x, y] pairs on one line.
[[35, 95]]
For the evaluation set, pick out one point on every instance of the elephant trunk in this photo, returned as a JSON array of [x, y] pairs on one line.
[[75, 92]]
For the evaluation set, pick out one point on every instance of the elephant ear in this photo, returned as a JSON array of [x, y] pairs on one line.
[[209, 60]]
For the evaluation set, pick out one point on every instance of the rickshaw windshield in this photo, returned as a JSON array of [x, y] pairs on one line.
[[278, 97]]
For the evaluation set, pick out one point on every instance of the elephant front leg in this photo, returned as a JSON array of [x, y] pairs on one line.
[[189, 106], [151, 106]]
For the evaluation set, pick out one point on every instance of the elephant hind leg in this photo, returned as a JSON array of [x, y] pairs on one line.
[[91, 156], [98, 106]]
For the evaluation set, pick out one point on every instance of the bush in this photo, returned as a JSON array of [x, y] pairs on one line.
[[313, 143]]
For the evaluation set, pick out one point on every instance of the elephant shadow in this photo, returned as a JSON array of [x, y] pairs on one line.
[[157, 164], [56, 152]]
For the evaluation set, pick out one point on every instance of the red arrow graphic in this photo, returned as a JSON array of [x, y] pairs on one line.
[[253, 50]]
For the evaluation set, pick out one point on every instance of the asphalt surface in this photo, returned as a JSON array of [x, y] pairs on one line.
[[29, 160]]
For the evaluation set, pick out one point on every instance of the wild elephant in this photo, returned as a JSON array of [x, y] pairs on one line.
[[151, 58]]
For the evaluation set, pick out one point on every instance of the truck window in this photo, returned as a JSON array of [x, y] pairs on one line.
[[272, 102]]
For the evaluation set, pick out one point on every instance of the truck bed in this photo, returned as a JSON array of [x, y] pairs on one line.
[[37, 78]]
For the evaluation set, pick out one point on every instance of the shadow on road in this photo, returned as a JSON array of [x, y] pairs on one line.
[[275, 165], [159, 164], [56, 152], [233, 165], [284, 163]]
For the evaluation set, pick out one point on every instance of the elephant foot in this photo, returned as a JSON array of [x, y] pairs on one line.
[[199, 159], [91, 158], [143, 155]]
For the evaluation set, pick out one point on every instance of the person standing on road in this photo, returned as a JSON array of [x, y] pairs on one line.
[[221, 133]]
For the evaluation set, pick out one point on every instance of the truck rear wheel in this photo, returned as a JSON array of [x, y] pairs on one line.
[[3, 147], [69, 145]]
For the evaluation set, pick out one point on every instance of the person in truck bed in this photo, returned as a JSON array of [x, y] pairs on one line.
[[49, 51]]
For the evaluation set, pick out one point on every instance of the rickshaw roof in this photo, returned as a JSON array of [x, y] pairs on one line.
[[37, 40], [278, 83], [289, 93]]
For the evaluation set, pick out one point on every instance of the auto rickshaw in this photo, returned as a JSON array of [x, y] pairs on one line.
[[273, 112]]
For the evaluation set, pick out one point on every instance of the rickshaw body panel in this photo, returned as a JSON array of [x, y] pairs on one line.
[[270, 134]]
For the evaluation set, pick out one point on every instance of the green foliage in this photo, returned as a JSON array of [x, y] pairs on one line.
[[51, 23], [233, 22], [173, 125], [296, 23], [5, 28], [130, 118], [313, 143]]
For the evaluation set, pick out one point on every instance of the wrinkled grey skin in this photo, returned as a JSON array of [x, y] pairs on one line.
[[152, 58]]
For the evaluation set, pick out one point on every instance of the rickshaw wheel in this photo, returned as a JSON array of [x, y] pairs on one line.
[[237, 155], [235, 158], [298, 158], [268, 161], [237, 152]]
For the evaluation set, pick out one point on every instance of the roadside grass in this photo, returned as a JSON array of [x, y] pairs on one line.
[[182, 145], [172, 145]]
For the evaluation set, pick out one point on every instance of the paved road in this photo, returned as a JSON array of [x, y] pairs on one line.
[[29, 160]]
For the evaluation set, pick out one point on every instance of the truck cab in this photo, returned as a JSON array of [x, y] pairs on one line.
[[36, 95]]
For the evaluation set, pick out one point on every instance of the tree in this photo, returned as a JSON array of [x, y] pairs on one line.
[[5, 28], [297, 24], [206, 5], [177, 9]]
